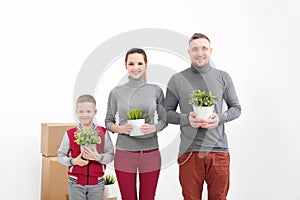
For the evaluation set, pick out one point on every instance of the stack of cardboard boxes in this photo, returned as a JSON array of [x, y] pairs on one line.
[[54, 182]]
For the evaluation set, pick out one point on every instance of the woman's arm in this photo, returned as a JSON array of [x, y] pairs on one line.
[[111, 111], [108, 153]]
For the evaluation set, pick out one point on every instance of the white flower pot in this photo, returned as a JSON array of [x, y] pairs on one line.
[[110, 191], [203, 112], [137, 123]]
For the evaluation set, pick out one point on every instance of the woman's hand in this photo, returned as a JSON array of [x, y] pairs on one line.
[[147, 128], [126, 129]]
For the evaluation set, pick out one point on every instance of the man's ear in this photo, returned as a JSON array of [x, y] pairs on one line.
[[189, 51]]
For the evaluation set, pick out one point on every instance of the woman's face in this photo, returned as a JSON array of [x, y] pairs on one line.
[[136, 65]]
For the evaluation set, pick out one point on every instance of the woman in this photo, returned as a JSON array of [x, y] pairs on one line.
[[136, 154]]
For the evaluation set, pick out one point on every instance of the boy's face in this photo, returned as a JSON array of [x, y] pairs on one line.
[[86, 112]]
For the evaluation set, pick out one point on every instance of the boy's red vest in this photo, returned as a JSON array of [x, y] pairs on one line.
[[88, 174]]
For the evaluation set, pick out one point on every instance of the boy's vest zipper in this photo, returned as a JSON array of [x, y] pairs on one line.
[[88, 173]]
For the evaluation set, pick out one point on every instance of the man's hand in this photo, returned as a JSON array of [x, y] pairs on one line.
[[194, 122], [211, 122]]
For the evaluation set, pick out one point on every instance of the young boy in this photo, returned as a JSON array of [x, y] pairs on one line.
[[86, 175]]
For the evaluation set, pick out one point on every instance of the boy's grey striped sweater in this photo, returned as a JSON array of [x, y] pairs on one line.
[[180, 86], [136, 94]]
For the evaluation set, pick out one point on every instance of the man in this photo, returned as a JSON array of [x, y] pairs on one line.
[[204, 153]]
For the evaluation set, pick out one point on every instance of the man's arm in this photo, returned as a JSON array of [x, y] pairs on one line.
[[232, 101], [171, 104]]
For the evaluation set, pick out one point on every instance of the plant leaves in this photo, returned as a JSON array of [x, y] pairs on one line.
[[87, 136], [136, 113], [109, 179], [202, 99]]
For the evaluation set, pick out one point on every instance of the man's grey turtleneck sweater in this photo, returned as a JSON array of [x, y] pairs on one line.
[[136, 94], [180, 86]]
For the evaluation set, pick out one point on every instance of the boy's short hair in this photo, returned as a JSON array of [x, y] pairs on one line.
[[197, 36], [86, 98]]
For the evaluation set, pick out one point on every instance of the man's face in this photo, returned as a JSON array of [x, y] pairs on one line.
[[200, 51]]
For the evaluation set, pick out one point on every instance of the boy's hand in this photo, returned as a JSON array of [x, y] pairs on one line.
[[79, 161], [91, 154]]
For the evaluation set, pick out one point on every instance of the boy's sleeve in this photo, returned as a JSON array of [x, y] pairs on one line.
[[108, 153], [63, 151]]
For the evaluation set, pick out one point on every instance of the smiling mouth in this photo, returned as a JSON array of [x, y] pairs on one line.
[[200, 59], [136, 72]]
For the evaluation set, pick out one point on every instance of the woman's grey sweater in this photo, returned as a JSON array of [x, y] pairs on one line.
[[136, 94]]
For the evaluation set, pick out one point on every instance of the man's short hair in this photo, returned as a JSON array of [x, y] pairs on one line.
[[197, 36]]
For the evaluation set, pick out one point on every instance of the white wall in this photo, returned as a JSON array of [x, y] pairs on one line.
[[43, 45]]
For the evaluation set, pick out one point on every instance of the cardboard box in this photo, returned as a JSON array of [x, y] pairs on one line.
[[54, 183], [51, 136]]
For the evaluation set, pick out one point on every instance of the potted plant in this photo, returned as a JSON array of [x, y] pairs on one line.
[[87, 138], [110, 189], [136, 118], [203, 103]]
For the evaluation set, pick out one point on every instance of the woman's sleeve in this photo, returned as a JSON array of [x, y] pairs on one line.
[[108, 153], [111, 111], [161, 112]]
